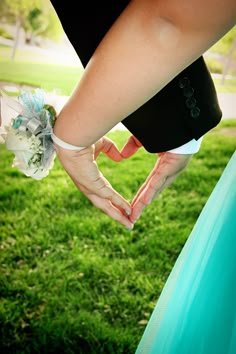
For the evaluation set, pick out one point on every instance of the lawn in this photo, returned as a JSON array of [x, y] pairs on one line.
[[74, 281], [39, 69], [71, 279]]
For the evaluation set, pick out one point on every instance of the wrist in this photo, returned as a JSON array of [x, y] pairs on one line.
[[64, 145]]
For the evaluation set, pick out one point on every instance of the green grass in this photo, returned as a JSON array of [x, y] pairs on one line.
[[46, 76], [38, 70], [71, 279], [74, 281]]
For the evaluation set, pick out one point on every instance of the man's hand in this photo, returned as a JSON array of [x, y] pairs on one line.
[[165, 171], [83, 170]]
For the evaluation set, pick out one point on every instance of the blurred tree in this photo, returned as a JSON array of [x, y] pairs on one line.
[[35, 17], [53, 29], [34, 24], [231, 54], [226, 46]]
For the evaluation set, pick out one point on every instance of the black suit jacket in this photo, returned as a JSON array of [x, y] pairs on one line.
[[184, 109]]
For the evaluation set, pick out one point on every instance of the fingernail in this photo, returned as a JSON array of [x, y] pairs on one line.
[[129, 228], [134, 220]]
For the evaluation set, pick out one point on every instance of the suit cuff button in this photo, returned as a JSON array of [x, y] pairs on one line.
[[184, 82], [195, 112], [191, 102]]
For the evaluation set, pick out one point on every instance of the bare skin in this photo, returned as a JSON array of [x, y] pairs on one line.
[[165, 171], [83, 170], [157, 39]]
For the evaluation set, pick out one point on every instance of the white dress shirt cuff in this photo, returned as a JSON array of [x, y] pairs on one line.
[[191, 147]]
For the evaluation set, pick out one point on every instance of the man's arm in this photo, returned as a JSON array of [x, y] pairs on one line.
[[149, 34]]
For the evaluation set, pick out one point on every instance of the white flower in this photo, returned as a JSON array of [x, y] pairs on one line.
[[29, 134], [28, 154], [22, 141], [36, 173]]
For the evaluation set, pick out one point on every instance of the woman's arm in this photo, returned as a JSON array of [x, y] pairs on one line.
[[148, 45]]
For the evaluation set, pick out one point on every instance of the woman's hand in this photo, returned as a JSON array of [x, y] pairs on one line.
[[165, 171], [81, 166]]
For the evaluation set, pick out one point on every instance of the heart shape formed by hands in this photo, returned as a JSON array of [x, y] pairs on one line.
[[84, 172], [81, 165], [165, 171], [167, 167]]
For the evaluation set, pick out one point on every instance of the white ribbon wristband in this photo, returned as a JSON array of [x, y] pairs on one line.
[[192, 147], [65, 145]]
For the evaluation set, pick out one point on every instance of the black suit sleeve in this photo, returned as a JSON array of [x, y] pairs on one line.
[[185, 109]]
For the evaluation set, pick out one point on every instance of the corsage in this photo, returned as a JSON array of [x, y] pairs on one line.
[[29, 134]]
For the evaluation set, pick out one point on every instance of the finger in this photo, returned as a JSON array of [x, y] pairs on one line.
[[167, 168], [108, 193], [147, 196], [103, 189], [152, 190], [168, 164], [131, 146], [111, 210], [84, 172], [109, 148], [140, 190], [144, 198], [118, 211], [90, 180], [149, 189]]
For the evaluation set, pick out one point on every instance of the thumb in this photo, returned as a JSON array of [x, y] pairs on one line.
[[109, 148], [130, 147]]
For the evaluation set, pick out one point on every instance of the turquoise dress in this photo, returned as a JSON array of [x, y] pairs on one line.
[[196, 312]]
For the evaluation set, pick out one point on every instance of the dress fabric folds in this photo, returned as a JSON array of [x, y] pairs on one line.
[[196, 311]]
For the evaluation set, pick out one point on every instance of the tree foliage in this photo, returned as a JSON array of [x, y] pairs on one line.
[[224, 45], [52, 27], [35, 17], [18, 8]]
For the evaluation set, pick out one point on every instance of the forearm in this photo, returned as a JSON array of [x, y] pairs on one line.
[[138, 56]]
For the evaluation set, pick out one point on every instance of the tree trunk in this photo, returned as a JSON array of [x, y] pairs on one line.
[[17, 35], [228, 61]]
